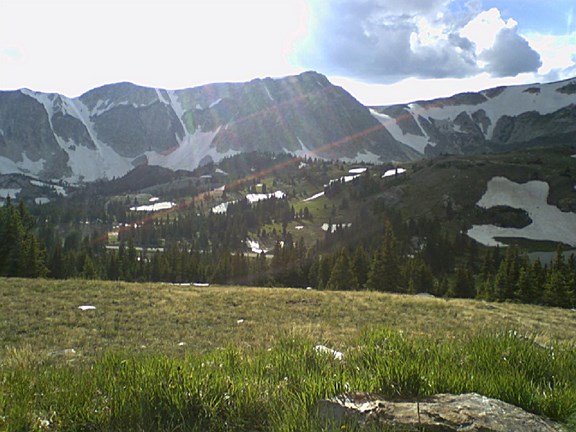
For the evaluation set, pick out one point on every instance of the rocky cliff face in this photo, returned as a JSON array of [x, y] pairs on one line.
[[495, 120], [108, 131]]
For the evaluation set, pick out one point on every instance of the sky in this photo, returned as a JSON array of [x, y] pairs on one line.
[[381, 51]]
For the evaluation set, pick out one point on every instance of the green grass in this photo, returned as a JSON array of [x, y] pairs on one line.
[[44, 314], [276, 389], [128, 370]]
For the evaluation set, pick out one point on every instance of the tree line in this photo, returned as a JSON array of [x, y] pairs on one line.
[[408, 257]]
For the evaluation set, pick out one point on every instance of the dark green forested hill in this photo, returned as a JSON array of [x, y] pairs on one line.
[[275, 220]]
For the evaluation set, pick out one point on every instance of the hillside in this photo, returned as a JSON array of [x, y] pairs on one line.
[[180, 318], [274, 220], [116, 356]]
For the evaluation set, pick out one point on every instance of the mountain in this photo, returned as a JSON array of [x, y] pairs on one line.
[[494, 120], [108, 131]]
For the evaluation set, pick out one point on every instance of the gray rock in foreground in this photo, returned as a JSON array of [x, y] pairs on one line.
[[443, 412]]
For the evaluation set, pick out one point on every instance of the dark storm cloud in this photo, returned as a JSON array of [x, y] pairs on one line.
[[510, 55], [385, 41]]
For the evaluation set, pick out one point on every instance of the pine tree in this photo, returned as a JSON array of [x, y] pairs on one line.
[[524, 286], [34, 262], [385, 274], [418, 276], [89, 268], [538, 279], [56, 263], [342, 276], [462, 285], [559, 289], [507, 275], [361, 266], [325, 265], [21, 253]]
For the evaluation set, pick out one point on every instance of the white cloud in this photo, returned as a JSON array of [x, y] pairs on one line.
[[388, 41], [483, 29], [558, 54], [510, 55], [499, 48]]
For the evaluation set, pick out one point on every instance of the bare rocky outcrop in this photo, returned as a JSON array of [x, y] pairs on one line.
[[469, 412]]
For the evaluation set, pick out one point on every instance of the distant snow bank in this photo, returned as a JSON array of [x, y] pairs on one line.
[[157, 206], [254, 246], [252, 198], [255, 197], [334, 227], [5, 193], [548, 222], [357, 170], [313, 197], [393, 172], [417, 142]]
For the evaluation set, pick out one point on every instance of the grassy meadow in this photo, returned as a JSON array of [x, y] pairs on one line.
[[184, 358]]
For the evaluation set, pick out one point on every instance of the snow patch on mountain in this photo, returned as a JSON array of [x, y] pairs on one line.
[[27, 166], [303, 152], [216, 102], [157, 206], [192, 150], [255, 197], [334, 227], [344, 179], [176, 104], [5, 193], [254, 246], [268, 93], [89, 164], [251, 198], [221, 208], [357, 170], [393, 172], [104, 106], [511, 101], [313, 197], [162, 97], [95, 164], [418, 143], [8, 166], [57, 188], [548, 222]]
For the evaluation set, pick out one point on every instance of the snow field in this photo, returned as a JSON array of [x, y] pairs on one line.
[[393, 172], [548, 222], [157, 206]]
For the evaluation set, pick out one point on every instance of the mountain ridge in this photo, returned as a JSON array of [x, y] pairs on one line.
[[109, 130], [492, 120]]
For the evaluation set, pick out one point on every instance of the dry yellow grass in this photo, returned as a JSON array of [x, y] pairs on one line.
[[43, 315]]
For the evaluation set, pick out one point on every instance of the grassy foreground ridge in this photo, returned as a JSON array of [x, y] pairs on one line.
[[166, 357]]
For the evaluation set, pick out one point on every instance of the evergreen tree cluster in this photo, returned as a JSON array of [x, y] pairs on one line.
[[20, 251], [196, 245], [514, 277]]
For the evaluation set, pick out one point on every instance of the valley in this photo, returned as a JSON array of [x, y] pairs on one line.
[[212, 232]]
